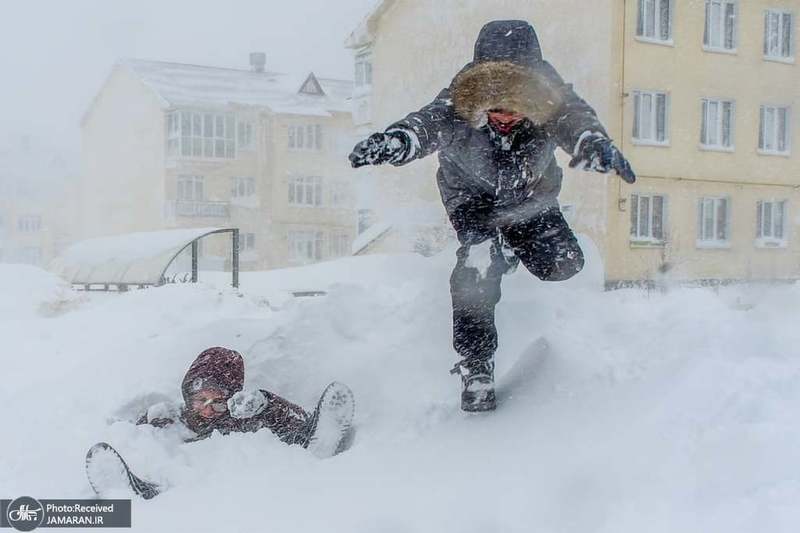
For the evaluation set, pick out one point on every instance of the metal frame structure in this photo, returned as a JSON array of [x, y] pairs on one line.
[[121, 287]]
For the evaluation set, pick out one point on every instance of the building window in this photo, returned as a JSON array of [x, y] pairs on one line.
[[716, 128], [713, 222], [771, 223], [363, 69], [648, 216], [247, 242], [305, 137], [243, 187], [305, 191], [338, 194], [340, 245], [366, 218], [30, 255], [654, 21], [244, 135], [773, 133], [650, 117], [720, 29], [201, 135], [305, 246], [29, 223], [778, 30], [190, 189]]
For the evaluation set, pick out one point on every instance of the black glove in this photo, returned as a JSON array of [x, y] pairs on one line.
[[598, 153], [379, 148]]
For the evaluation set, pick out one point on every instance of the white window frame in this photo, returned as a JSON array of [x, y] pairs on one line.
[[245, 135], [30, 255], [243, 187], [197, 134], [307, 137], [771, 230], [29, 223], [709, 237], [774, 51], [363, 70], [340, 244], [718, 26], [247, 242], [712, 124], [767, 133], [649, 120], [643, 219], [305, 246], [339, 194], [305, 191], [190, 188], [645, 23]]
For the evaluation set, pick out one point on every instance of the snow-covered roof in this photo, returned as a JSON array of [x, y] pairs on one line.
[[364, 33], [370, 235], [184, 85], [132, 258]]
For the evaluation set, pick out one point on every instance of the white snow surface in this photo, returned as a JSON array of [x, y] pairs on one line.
[[480, 257], [651, 411]]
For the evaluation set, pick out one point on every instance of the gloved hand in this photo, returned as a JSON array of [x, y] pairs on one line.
[[247, 404], [596, 152], [162, 414], [379, 148]]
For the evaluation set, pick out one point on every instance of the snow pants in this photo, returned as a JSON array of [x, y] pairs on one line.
[[546, 246]]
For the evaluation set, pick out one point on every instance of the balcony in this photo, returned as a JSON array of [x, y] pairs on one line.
[[186, 208]]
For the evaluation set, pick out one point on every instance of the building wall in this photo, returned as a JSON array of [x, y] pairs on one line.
[[122, 159], [130, 184], [684, 171], [594, 46], [331, 164]]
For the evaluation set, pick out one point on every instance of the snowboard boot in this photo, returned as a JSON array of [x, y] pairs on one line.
[[477, 385], [109, 475], [331, 428]]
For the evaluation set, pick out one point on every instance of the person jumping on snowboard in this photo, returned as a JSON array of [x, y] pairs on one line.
[[496, 128], [214, 401]]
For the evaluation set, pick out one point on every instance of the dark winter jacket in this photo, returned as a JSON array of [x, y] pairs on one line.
[[487, 180], [224, 370]]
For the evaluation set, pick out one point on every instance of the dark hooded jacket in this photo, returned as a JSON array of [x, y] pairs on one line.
[[223, 369], [487, 180]]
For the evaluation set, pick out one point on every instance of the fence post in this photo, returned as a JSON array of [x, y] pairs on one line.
[[235, 258], [195, 251]]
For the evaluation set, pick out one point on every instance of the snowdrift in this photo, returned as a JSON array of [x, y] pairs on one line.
[[640, 412]]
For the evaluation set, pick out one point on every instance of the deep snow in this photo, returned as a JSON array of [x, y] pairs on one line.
[[649, 411]]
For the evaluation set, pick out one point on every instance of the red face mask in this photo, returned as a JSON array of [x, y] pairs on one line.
[[504, 121]]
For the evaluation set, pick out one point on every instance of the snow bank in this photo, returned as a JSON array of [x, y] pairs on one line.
[[28, 291], [648, 411]]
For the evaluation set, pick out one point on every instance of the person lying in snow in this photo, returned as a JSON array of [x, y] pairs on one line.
[[496, 128], [214, 400]]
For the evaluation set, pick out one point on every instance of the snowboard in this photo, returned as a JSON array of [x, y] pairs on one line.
[[515, 381], [332, 429], [108, 472]]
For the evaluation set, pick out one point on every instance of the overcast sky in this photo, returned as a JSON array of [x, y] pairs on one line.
[[54, 55]]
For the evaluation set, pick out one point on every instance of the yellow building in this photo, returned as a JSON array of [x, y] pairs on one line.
[[169, 145], [699, 95]]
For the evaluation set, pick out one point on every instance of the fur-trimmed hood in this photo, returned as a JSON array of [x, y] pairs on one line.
[[505, 85]]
